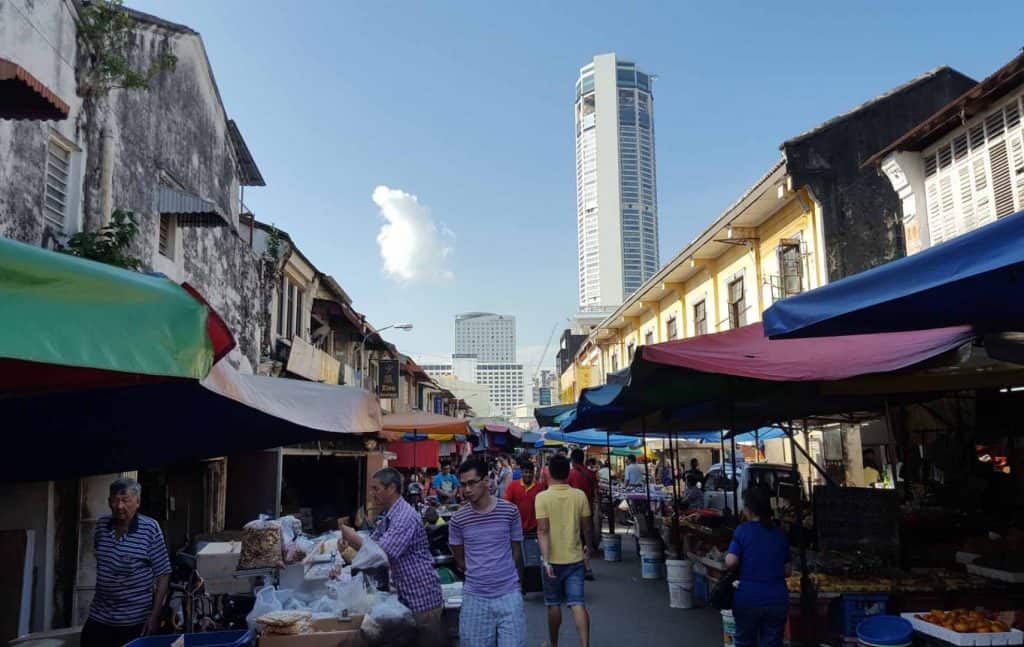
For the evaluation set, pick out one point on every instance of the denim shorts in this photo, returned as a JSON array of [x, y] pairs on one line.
[[566, 587]]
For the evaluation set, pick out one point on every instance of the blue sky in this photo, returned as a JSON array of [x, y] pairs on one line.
[[468, 106]]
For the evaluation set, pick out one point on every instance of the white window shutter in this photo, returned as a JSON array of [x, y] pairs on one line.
[[982, 200], [1017, 166], [966, 198], [1002, 186], [948, 207], [934, 218]]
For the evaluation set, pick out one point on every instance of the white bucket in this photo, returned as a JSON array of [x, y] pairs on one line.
[[651, 567], [728, 628], [612, 545], [652, 547], [679, 570], [680, 595]]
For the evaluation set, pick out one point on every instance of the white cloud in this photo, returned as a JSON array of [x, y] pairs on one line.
[[412, 245]]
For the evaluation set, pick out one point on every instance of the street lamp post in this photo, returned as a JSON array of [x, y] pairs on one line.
[[362, 350]]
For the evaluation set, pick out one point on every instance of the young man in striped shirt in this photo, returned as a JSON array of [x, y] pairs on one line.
[[132, 572], [486, 539]]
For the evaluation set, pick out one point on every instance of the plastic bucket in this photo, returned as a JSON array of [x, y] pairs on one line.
[[651, 567], [679, 570], [612, 545], [680, 595], [885, 631], [728, 628], [652, 547]]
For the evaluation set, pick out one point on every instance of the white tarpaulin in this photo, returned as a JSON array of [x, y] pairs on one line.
[[325, 407]]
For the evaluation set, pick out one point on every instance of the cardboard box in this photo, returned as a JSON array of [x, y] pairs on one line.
[[328, 632]]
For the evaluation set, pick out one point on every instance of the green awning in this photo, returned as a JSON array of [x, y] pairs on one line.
[[63, 311]]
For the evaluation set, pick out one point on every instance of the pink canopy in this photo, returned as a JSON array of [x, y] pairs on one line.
[[746, 352]]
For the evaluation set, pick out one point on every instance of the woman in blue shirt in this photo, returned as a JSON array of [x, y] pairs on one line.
[[760, 550]]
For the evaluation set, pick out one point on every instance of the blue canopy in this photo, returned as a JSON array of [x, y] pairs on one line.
[[595, 437], [974, 279], [764, 433]]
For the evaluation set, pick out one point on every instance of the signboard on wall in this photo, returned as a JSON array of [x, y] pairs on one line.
[[388, 378]]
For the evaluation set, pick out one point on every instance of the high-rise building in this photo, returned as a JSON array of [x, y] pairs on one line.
[[616, 192], [488, 336]]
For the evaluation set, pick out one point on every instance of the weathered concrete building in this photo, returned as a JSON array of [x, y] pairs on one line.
[[72, 151], [168, 154]]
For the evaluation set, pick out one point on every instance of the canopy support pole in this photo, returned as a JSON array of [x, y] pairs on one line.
[[611, 499], [735, 478], [807, 594], [757, 444], [674, 462], [797, 448], [648, 515]]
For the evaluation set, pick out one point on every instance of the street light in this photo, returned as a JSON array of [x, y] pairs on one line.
[[362, 349]]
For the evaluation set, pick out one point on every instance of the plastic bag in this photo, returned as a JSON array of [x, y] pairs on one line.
[[356, 595], [370, 555], [291, 528], [266, 601], [389, 622], [261, 545]]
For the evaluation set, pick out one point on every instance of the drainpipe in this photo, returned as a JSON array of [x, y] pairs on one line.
[[106, 177]]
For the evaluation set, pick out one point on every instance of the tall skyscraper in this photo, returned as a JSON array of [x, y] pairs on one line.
[[616, 192], [488, 336]]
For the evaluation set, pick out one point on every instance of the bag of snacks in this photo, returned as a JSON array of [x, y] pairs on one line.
[[261, 545]]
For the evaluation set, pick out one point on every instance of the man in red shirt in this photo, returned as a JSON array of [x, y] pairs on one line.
[[523, 493], [583, 479]]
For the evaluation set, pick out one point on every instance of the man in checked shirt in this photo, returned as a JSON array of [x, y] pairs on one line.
[[400, 533]]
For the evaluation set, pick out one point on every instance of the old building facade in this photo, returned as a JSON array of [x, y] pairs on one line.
[[963, 166], [815, 216]]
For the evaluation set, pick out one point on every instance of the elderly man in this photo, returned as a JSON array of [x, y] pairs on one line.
[[401, 535], [132, 572]]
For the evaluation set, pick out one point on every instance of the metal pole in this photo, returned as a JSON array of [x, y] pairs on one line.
[[735, 477], [647, 477], [757, 444], [676, 536], [611, 499], [806, 591]]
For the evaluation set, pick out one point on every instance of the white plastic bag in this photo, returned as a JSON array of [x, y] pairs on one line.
[[370, 555], [389, 622], [355, 594], [266, 601], [291, 528]]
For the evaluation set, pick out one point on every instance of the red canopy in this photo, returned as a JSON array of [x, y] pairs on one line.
[[416, 453], [746, 352]]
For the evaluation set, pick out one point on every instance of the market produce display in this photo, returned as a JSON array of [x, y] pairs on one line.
[[964, 621]]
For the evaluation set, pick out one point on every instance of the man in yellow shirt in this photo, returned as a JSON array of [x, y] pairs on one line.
[[562, 512]]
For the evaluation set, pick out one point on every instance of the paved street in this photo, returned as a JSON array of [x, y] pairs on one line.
[[628, 610]]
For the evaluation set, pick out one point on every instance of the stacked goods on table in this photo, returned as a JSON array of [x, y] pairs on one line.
[[261, 545], [285, 623], [967, 627]]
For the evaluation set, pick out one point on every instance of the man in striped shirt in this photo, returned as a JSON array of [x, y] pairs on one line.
[[486, 538], [132, 572]]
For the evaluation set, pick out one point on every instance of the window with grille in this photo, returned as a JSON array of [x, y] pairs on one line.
[[671, 329], [649, 338], [615, 363], [166, 242], [630, 349], [791, 268], [700, 318], [58, 175], [737, 304]]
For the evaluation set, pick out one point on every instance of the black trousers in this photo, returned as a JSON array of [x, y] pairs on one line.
[[96, 634]]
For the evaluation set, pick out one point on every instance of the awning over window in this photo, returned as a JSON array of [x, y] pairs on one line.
[[23, 96], [191, 209]]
